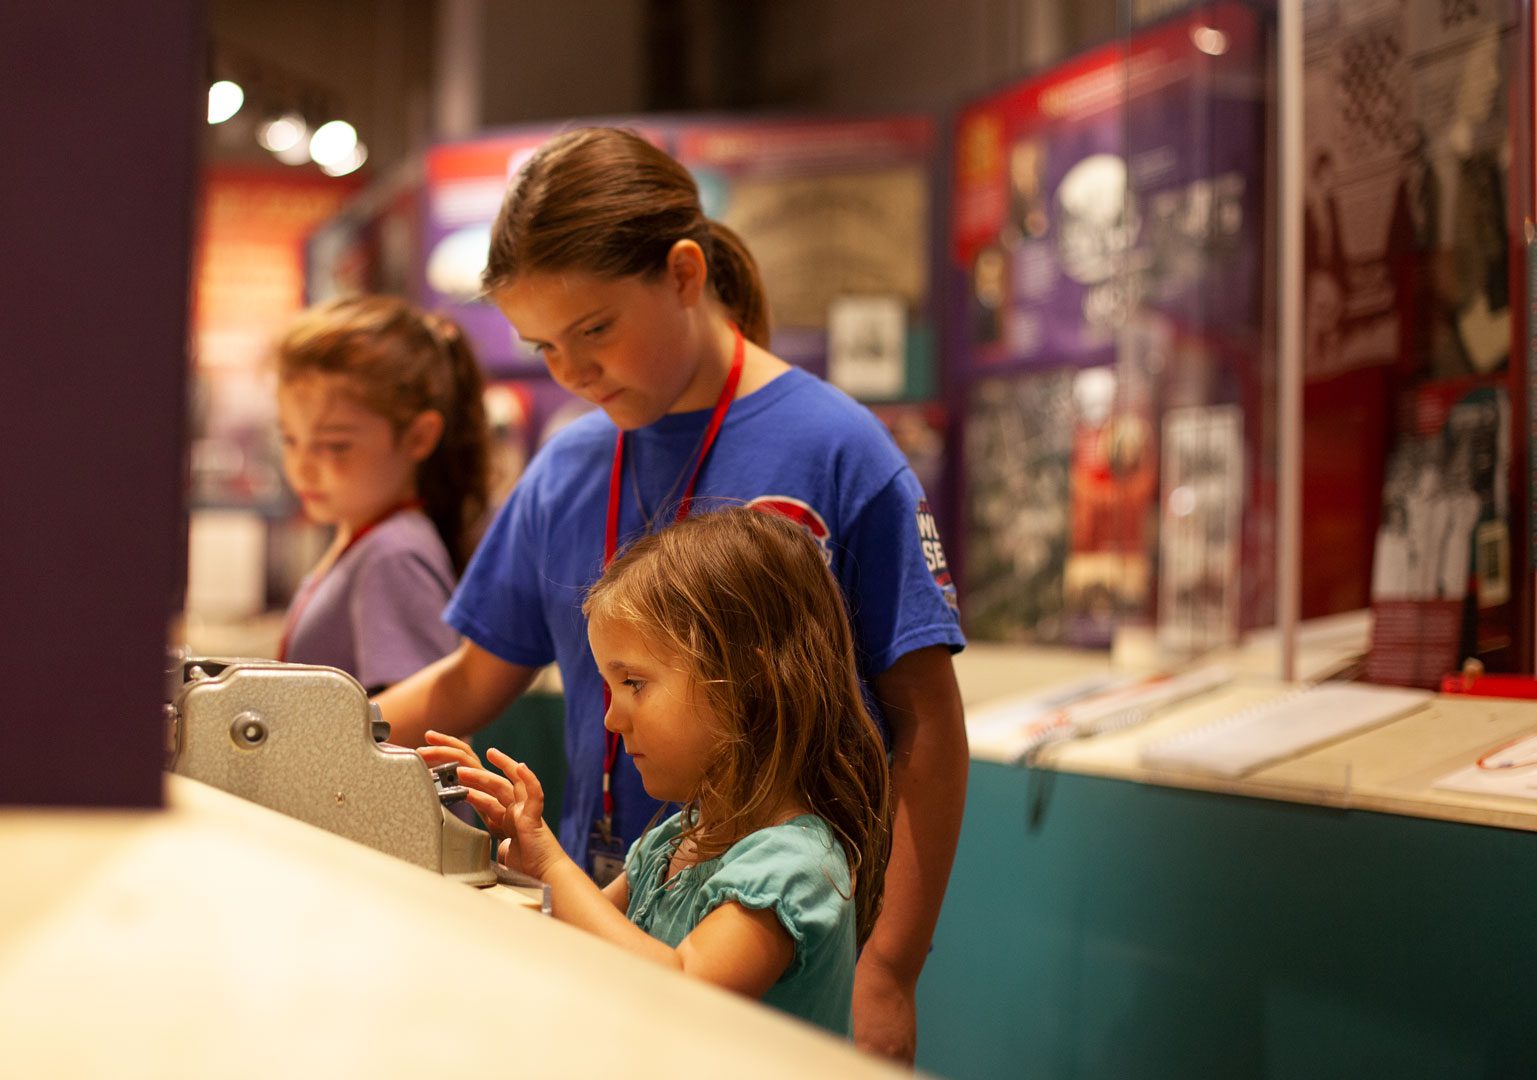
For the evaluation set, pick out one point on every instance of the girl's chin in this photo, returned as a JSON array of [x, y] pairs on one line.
[[661, 794], [625, 420], [628, 418]]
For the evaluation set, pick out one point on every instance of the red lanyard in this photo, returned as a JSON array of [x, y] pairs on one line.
[[611, 532], [307, 593]]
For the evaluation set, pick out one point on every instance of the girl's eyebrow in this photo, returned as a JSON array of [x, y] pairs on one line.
[[574, 323], [570, 326]]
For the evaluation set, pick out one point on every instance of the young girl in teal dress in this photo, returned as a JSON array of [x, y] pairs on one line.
[[725, 647]]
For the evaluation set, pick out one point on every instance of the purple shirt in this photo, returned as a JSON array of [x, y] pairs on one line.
[[377, 612]]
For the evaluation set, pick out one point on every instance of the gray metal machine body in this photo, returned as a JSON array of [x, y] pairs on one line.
[[304, 741]]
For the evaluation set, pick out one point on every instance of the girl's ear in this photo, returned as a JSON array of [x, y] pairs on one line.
[[687, 271], [422, 434]]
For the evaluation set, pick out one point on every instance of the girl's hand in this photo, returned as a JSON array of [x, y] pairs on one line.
[[513, 805], [442, 749]]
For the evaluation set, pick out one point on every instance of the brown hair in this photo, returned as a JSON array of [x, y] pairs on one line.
[[399, 362], [747, 602], [605, 202]]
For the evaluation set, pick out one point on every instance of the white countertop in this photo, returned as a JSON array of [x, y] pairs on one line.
[[217, 938]]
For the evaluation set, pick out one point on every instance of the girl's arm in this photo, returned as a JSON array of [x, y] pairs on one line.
[[738, 948], [929, 765], [734, 947], [459, 694]]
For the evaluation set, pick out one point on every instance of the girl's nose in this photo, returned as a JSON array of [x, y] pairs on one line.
[[573, 370], [612, 719], [304, 464]]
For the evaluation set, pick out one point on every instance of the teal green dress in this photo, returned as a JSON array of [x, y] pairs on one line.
[[798, 870]]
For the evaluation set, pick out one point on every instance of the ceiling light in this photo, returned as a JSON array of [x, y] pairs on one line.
[[224, 101], [297, 154], [333, 143], [283, 133], [1209, 40], [350, 163]]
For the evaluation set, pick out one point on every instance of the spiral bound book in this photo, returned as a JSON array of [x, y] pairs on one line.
[[1275, 730]]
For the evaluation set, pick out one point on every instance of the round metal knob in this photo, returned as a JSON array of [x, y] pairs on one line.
[[249, 730]]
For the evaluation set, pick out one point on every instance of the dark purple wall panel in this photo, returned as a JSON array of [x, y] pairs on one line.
[[96, 186]]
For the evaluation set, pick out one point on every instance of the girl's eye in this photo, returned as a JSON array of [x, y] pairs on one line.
[[597, 330], [335, 449], [634, 684]]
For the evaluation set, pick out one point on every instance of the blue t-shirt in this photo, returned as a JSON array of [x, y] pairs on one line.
[[797, 870], [797, 445]]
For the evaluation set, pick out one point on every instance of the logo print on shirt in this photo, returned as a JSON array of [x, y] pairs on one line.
[[934, 552], [802, 514]]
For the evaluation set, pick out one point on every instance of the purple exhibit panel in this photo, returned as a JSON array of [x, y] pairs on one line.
[[1128, 179], [1107, 250]]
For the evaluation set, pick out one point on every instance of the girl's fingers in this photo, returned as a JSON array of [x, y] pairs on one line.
[[488, 782], [443, 755], [484, 804], [502, 761], [530, 781], [527, 802], [437, 738], [530, 793]]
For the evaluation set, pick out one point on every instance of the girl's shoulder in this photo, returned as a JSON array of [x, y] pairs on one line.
[[406, 534], [581, 447], [404, 543], [800, 390], [798, 868], [800, 830], [823, 415], [804, 839]]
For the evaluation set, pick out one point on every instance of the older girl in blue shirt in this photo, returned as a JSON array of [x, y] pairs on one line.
[[604, 263]]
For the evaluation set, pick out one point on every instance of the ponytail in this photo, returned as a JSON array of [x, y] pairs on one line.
[[735, 274], [454, 481]]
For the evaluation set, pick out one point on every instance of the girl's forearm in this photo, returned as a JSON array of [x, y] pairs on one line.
[[575, 899], [457, 695], [930, 765]]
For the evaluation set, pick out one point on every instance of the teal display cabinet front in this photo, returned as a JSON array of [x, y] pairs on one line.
[[1100, 928]]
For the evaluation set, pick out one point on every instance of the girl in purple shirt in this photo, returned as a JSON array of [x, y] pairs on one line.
[[384, 437]]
